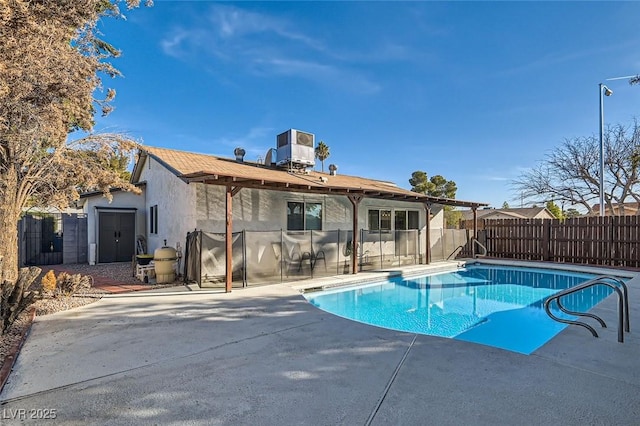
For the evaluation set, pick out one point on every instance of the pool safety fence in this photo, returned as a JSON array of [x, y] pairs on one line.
[[263, 257]]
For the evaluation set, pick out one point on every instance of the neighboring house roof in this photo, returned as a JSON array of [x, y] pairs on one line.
[[512, 213], [193, 167], [630, 209]]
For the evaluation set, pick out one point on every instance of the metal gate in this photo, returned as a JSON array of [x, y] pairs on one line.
[[43, 240]]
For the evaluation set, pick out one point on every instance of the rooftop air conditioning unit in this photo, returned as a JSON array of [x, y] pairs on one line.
[[296, 149]]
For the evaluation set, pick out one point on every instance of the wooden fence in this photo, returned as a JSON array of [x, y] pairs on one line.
[[612, 241]]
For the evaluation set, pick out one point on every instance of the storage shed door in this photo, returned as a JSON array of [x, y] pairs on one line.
[[116, 237]]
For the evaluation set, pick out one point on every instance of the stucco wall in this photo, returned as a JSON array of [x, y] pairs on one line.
[[120, 200], [262, 210], [184, 207], [176, 205]]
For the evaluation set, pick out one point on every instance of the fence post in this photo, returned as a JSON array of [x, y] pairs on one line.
[[338, 255], [546, 239], [380, 248], [611, 221], [244, 258], [199, 245], [310, 253]]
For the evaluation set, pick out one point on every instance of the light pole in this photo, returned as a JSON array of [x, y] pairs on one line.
[[604, 91]]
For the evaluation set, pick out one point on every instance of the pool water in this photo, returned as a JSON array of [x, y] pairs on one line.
[[491, 305]]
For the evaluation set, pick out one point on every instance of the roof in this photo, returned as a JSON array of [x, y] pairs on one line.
[[630, 209], [516, 213], [209, 169], [112, 190]]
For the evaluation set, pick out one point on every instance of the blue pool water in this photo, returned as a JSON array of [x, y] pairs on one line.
[[491, 305]]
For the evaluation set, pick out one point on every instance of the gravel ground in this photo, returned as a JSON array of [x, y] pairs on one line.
[[119, 272]]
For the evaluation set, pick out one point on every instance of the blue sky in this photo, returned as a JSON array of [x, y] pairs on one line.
[[474, 91]]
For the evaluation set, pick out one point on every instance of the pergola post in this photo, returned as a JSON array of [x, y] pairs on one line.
[[228, 237], [475, 231], [427, 250], [355, 201]]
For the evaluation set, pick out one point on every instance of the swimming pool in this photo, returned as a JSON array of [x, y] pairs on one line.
[[486, 304]]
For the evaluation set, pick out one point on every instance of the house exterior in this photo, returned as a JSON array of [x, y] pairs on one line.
[[113, 226], [626, 209], [182, 192], [175, 207]]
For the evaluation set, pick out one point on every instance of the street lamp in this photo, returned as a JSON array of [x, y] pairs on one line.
[[604, 90]]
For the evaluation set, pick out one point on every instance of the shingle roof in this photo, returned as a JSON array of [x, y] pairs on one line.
[[516, 213], [193, 167]]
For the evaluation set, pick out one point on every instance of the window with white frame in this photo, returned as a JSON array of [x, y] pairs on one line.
[[303, 216]]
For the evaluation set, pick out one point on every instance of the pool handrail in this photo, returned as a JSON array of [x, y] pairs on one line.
[[623, 304], [474, 240], [455, 251]]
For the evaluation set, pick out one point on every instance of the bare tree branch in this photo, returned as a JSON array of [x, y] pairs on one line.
[[570, 172]]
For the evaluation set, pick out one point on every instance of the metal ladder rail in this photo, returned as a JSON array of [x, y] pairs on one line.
[[625, 298], [454, 252], [623, 305], [474, 240]]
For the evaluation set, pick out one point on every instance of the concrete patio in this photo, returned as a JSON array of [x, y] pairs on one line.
[[265, 356]]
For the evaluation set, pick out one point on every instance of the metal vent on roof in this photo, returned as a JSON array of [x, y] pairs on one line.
[[239, 153]]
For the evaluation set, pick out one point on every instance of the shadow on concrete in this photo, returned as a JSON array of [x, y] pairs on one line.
[[266, 356]]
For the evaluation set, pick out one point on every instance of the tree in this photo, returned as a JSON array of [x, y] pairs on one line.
[[51, 58], [439, 187], [419, 182], [555, 210], [505, 205], [322, 153], [571, 212], [570, 173]]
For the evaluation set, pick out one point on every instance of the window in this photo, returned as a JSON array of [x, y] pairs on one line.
[[380, 220], [153, 219], [413, 219], [374, 220], [401, 220], [304, 216]]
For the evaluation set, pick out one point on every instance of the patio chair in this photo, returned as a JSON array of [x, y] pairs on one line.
[[291, 259], [313, 257]]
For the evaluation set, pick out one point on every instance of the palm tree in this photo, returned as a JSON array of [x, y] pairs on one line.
[[322, 153]]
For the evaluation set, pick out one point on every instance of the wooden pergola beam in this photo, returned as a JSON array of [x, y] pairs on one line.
[[261, 183]]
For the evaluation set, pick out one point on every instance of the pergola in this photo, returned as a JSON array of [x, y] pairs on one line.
[[355, 189]]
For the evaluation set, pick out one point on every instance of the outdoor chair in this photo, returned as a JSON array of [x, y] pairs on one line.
[[288, 261], [313, 258]]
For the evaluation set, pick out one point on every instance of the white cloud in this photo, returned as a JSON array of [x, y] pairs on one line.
[[271, 46], [253, 142]]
